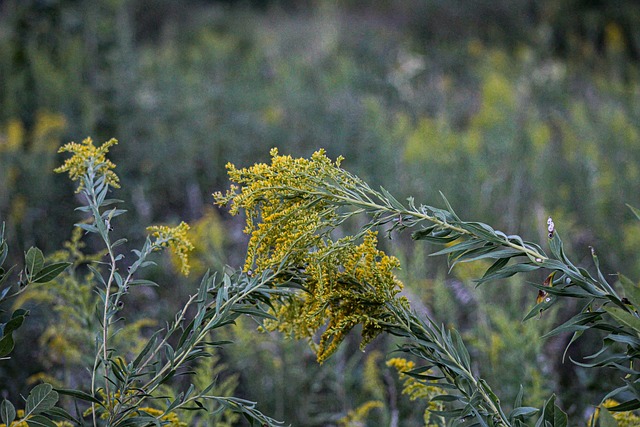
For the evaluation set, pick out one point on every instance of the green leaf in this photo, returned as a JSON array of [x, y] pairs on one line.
[[630, 405], [150, 344], [507, 271], [523, 411], [17, 318], [253, 312], [578, 322], [6, 345], [87, 227], [540, 307], [560, 418], [463, 353], [141, 421], [631, 291], [606, 419], [392, 200], [7, 412], [518, 401], [34, 261], [142, 282], [79, 395], [40, 421], [41, 398], [552, 415], [625, 318], [635, 211], [50, 272], [60, 413], [5, 276]]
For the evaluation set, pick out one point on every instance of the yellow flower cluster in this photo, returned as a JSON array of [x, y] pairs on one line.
[[416, 389], [171, 419], [176, 239], [282, 217], [346, 285], [357, 417], [624, 419], [288, 211], [85, 155]]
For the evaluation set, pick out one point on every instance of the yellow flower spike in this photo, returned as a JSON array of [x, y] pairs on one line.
[[87, 154], [176, 239], [287, 218]]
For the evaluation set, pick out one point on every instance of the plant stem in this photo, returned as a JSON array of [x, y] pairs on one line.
[[535, 255], [408, 327]]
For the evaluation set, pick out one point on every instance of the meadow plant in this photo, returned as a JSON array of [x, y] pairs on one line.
[[124, 389], [303, 276], [293, 210]]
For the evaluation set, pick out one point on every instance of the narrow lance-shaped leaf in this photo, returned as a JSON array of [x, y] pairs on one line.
[[625, 318], [635, 211], [631, 291], [40, 421]]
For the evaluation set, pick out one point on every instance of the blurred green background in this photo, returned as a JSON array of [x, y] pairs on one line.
[[514, 109]]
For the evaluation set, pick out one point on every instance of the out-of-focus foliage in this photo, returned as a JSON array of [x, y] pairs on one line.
[[516, 110]]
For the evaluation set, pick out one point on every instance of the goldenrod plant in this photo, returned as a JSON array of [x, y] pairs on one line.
[[124, 390], [293, 209], [305, 277]]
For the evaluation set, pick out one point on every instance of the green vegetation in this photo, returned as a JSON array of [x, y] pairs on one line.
[[516, 111]]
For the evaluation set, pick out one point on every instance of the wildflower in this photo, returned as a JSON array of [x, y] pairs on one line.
[[291, 207], [89, 159], [175, 238], [416, 389], [284, 217]]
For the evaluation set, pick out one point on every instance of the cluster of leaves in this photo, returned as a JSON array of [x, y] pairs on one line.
[[35, 271]]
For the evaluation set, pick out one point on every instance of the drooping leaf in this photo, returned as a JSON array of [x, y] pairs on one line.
[[630, 405], [40, 421], [625, 318], [523, 411], [79, 395], [50, 272], [60, 413], [631, 291]]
